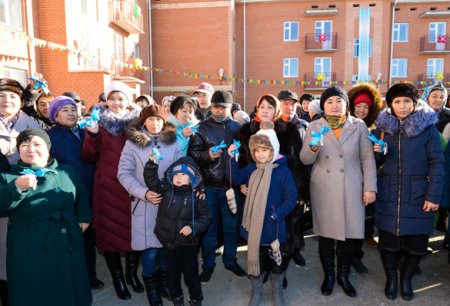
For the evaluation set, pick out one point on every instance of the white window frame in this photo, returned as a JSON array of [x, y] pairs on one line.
[[12, 21], [432, 64], [287, 31], [289, 64], [433, 31], [397, 30], [396, 64], [356, 47], [15, 74], [320, 62]]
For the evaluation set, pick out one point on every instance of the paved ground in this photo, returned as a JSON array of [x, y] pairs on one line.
[[432, 287]]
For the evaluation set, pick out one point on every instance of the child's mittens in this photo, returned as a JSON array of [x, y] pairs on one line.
[[231, 200], [276, 252]]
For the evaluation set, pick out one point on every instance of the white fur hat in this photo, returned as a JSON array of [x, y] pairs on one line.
[[266, 128], [314, 107], [119, 86]]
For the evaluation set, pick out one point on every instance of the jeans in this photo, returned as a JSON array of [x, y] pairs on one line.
[[150, 258], [217, 204], [183, 260]]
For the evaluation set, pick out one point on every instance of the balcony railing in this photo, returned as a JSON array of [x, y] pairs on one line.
[[321, 42], [125, 15], [319, 80], [123, 65], [435, 44], [425, 80]]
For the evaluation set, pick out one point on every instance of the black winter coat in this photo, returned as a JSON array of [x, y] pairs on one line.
[[211, 133], [443, 119], [179, 207]]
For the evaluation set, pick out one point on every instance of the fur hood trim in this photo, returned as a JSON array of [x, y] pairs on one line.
[[374, 109], [137, 134], [116, 124], [412, 126]]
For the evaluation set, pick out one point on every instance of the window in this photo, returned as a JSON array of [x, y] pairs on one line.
[[399, 67], [356, 47], [137, 51], [16, 74], [323, 27], [291, 31], [323, 65], [400, 32], [290, 67], [434, 66], [435, 30], [11, 13]]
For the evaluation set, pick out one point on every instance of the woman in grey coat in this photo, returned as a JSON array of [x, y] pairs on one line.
[[343, 180], [144, 135]]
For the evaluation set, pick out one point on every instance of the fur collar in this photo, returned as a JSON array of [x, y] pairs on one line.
[[412, 126], [138, 135], [116, 124]]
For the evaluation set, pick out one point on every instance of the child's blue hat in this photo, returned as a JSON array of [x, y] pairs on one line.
[[186, 169]]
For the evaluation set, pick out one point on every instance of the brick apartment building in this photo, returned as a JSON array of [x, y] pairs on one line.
[[105, 34], [306, 43]]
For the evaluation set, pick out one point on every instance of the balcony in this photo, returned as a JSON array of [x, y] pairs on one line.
[[126, 15], [319, 81], [425, 80], [324, 42], [434, 44], [124, 67]]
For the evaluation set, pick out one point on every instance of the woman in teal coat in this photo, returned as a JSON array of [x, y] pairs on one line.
[[48, 210]]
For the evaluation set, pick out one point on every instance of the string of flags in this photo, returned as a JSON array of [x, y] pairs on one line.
[[138, 65]]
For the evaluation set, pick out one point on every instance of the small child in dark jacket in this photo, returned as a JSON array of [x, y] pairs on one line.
[[182, 216], [271, 196]]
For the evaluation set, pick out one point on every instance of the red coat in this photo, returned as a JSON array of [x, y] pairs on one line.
[[111, 202]]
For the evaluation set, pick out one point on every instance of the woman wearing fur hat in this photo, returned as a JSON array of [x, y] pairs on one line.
[[144, 135], [13, 121], [343, 180], [268, 108], [111, 202], [271, 196], [182, 118], [365, 104], [410, 181]]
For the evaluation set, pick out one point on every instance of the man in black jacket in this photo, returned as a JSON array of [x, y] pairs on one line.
[[211, 132]]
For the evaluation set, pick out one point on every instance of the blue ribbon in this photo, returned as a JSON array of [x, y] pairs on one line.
[[38, 173], [377, 141], [317, 137], [156, 153], [216, 149], [95, 117], [38, 84], [193, 127], [235, 152]]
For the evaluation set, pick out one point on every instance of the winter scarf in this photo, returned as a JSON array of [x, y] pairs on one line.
[[254, 211]]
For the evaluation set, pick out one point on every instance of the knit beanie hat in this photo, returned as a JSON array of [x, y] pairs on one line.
[[11, 85], [363, 97], [153, 110], [235, 107], [26, 135], [222, 98], [57, 104], [267, 138], [427, 92], [402, 90], [74, 95], [331, 92], [179, 101], [119, 86], [186, 169], [314, 107], [241, 116]]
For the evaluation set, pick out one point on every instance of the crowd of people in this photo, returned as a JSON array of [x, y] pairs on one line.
[[162, 184]]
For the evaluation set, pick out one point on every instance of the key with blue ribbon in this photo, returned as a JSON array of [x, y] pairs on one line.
[[235, 152], [155, 155], [95, 117], [38, 84], [382, 143], [317, 137], [216, 149], [193, 127], [39, 173]]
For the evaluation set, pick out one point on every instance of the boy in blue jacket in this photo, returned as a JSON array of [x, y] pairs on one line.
[[271, 196]]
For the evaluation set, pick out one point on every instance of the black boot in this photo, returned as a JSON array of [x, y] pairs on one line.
[[131, 265], [327, 260], [4, 293], [343, 269], [151, 283], [163, 290], [195, 303], [406, 274], [114, 264], [358, 254], [179, 301], [389, 260]]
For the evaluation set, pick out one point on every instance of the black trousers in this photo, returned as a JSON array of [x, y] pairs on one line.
[[413, 244], [344, 249], [90, 252], [183, 260]]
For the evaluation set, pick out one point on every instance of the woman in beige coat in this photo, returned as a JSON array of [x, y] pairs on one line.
[[343, 180]]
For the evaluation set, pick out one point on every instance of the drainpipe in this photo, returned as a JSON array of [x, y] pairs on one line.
[[150, 51], [245, 59], [392, 43]]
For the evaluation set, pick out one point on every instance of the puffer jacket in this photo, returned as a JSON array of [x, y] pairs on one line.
[[409, 174], [179, 207], [211, 133]]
